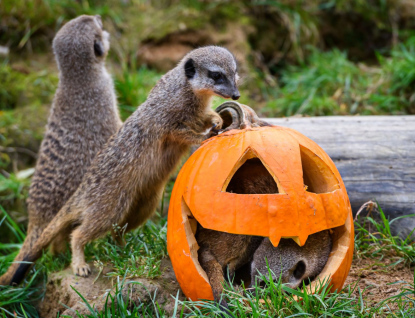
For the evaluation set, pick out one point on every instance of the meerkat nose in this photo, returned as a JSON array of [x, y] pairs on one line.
[[236, 96]]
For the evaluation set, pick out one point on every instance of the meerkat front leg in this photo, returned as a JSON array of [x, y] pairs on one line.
[[196, 131], [214, 272], [78, 242]]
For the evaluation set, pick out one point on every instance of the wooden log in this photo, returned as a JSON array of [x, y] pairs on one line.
[[375, 156]]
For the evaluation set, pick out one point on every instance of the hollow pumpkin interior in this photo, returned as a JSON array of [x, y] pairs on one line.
[[341, 237]]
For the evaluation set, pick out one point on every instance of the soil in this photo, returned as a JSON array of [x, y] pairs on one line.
[[165, 53], [95, 288], [379, 279]]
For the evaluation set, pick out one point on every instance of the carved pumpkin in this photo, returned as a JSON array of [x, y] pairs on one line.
[[311, 198]]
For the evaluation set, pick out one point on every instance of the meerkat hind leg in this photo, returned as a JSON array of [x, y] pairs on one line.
[[143, 210], [59, 243], [118, 237]]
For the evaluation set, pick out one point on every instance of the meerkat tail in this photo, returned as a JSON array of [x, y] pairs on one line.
[[17, 271], [28, 243]]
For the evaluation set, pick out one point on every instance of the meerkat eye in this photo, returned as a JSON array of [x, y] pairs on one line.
[[217, 77]]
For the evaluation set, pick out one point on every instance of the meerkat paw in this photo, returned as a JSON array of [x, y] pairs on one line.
[[215, 120], [214, 123], [82, 270]]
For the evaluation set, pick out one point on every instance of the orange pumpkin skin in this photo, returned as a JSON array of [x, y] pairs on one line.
[[200, 194]]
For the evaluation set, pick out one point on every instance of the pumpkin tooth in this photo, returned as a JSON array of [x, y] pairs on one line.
[[275, 239], [301, 239]]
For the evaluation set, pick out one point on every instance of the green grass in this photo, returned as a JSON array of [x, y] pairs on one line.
[[146, 247], [272, 300], [133, 88], [380, 243], [330, 84], [277, 300], [288, 73], [141, 255], [24, 85]]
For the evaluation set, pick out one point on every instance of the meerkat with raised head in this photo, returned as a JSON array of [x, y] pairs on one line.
[[293, 263], [124, 182], [83, 117]]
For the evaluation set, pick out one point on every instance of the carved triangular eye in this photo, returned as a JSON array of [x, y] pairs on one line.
[[318, 177], [252, 177]]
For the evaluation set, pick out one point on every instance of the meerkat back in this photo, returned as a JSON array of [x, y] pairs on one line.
[[83, 117]]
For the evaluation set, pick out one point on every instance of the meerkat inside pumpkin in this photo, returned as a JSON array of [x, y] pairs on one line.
[[251, 193]]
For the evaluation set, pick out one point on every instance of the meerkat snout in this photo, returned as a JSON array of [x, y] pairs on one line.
[[236, 96], [213, 78]]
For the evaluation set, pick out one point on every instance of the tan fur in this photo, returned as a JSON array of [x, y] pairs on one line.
[[124, 183], [83, 117]]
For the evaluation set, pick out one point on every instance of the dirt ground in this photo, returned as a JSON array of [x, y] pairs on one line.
[[379, 279]]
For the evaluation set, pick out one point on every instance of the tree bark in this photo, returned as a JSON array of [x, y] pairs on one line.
[[375, 156]]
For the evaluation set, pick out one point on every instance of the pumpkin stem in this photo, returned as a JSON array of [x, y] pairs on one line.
[[238, 116]]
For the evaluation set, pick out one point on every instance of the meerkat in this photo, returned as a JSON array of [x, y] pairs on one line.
[[124, 182], [83, 117], [293, 263], [220, 254]]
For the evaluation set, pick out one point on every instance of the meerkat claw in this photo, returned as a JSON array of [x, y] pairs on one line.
[[82, 270]]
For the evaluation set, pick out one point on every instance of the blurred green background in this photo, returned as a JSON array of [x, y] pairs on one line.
[[314, 57]]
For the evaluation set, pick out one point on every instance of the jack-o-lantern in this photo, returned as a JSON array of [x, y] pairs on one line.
[[311, 198]]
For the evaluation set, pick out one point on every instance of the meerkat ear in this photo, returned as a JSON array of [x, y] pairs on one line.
[[189, 68], [98, 48]]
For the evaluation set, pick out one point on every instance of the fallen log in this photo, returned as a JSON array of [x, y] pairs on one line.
[[375, 156]]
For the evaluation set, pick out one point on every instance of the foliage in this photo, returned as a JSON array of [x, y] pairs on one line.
[[277, 300], [141, 256], [31, 24], [317, 57], [330, 84], [19, 300], [22, 86], [146, 247], [133, 87], [374, 240], [14, 188]]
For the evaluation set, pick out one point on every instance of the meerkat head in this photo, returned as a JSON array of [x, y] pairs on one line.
[[80, 42], [212, 70]]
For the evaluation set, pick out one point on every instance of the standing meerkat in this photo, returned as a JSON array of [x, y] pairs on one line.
[[83, 117], [124, 183]]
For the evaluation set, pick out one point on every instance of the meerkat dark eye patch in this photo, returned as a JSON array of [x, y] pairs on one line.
[[189, 68], [218, 77], [98, 48]]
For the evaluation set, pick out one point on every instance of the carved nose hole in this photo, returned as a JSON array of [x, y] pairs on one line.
[[252, 178], [299, 270], [227, 119], [317, 175]]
